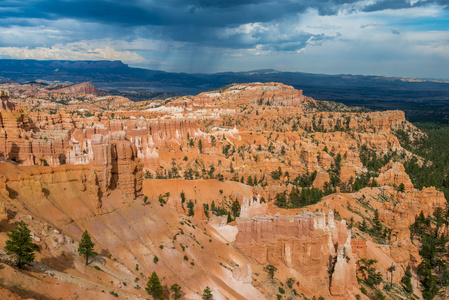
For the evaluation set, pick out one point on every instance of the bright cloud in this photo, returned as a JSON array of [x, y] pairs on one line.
[[73, 51]]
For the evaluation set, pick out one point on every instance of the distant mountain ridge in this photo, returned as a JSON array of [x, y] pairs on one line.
[[376, 92], [17, 64], [104, 73]]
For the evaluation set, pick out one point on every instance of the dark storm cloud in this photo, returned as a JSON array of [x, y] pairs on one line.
[[175, 12], [266, 39], [193, 12], [387, 4], [197, 21], [162, 13]]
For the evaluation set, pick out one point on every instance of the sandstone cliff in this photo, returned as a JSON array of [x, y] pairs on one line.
[[304, 242]]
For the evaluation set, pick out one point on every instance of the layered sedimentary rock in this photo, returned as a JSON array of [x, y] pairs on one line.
[[343, 278], [310, 159], [35, 183], [80, 88], [252, 207], [321, 179], [276, 94], [394, 174], [379, 121], [126, 167], [121, 170], [400, 214], [61, 138], [15, 140], [304, 242], [114, 153]]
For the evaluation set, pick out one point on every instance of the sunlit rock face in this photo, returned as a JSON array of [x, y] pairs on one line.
[[311, 243]]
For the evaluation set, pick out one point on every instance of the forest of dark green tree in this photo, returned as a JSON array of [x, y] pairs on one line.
[[426, 232], [435, 150]]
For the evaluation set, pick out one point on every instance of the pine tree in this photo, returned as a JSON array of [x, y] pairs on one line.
[[154, 286], [183, 197], [190, 206], [377, 226], [249, 181], [407, 280], [86, 247], [176, 290], [207, 294], [235, 208], [271, 270], [363, 226], [229, 220], [391, 270], [21, 245], [206, 210], [200, 146], [438, 214], [367, 268]]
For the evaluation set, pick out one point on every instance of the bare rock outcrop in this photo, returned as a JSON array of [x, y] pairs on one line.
[[272, 93], [304, 242], [252, 207], [394, 174], [243, 273], [321, 179], [401, 213], [3, 212], [5, 104], [343, 276], [80, 88]]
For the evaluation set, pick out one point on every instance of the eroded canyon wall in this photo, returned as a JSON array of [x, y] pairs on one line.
[[311, 243]]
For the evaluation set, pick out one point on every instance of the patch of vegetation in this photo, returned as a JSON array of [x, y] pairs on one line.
[[372, 277], [299, 198], [407, 280], [207, 294], [433, 270], [270, 269], [433, 148], [113, 293], [372, 161], [190, 206], [20, 245], [377, 230], [154, 286], [304, 181]]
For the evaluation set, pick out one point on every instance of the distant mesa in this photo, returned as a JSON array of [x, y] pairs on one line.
[[16, 64]]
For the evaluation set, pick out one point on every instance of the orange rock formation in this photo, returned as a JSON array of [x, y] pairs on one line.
[[78, 163], [304, 242]]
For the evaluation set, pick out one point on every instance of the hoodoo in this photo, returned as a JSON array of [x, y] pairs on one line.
[[255, 191]]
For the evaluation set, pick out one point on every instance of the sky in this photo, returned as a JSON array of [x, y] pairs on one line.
[[404, 38]]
